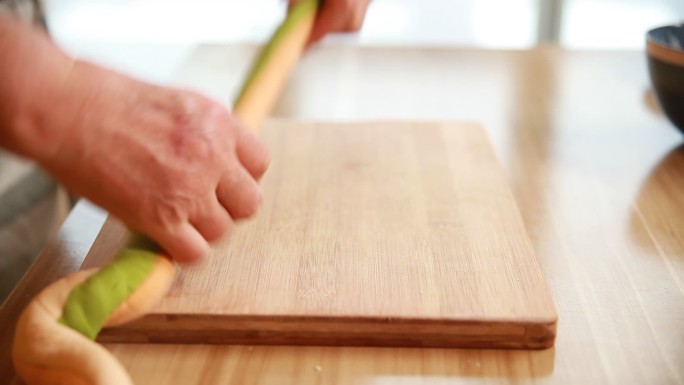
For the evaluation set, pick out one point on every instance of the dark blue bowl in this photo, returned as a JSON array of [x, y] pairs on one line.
[[665, 46]]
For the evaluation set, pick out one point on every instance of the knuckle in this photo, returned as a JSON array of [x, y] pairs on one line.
[[167, 212], [186, 105]]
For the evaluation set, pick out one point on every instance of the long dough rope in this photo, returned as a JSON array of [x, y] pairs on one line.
[[54, 338]]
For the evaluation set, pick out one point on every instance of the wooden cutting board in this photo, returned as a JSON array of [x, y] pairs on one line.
[[390, 234]]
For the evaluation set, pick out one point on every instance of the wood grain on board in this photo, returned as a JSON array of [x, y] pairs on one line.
[[386, 234]]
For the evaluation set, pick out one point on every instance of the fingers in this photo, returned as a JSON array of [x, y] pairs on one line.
[[357, 18], [239, 193], [212, 220], [237, 196], [184, 230], [338, 16], [252, 152], [328, 20], [183, 242]]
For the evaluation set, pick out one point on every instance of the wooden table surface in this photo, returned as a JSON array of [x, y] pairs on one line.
[[597, 172]]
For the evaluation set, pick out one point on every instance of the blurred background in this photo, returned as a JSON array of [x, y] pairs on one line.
[[151, 39]]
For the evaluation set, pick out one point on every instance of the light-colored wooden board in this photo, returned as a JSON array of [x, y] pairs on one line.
[[386, 233]]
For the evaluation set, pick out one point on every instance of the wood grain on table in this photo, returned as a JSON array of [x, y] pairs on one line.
[[596, 171], [381, 234]]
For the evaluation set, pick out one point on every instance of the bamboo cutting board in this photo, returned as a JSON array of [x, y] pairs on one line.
[[387, 233]]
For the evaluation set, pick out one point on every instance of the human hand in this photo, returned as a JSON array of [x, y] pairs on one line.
[[170, 164], [337, 16]]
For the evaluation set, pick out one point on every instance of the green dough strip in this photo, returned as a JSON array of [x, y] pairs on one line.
[[93, 301]]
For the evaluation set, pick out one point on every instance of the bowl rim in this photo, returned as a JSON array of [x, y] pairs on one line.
[[663, 52]]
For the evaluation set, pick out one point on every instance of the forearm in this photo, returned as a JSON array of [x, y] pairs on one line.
[[32, 73]]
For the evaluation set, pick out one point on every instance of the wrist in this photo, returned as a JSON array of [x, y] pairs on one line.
[[33, 74]]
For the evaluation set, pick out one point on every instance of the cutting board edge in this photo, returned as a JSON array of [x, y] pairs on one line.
[[328, 331]]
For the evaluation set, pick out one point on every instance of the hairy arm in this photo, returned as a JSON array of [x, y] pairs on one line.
[[171, 164]]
